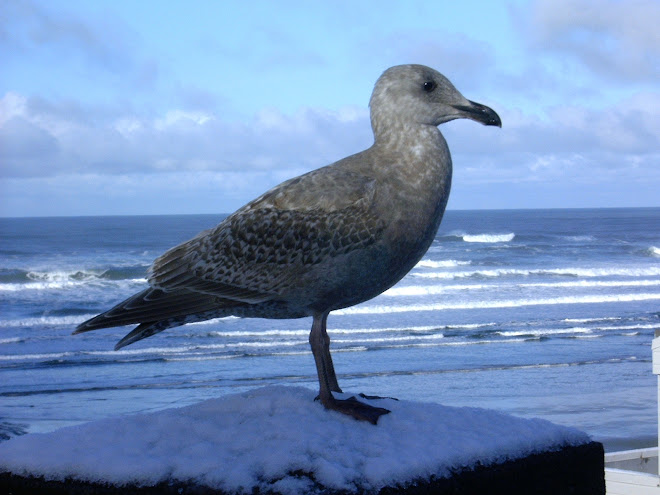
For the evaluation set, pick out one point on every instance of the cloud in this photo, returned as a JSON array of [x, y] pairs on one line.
[[626, 127], [41, 138], [98, 48], [572, 157], [616, 39], [460, 55]]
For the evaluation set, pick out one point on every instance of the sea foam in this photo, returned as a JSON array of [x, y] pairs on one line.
[[651, 271], [489, 238], [511, 303], [46, 321], [429, 290], [441, 264]]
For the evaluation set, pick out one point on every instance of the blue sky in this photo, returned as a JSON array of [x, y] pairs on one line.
[[150, 107]]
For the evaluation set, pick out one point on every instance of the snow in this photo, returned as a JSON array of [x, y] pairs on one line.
[[267, 437]]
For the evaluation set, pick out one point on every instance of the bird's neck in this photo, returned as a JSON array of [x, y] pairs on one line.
[[421, 155], [414, 165], [402, 135]]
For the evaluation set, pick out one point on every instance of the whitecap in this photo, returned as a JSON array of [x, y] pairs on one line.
[[629, 327], [27, 357], [441, 264], [257, 333], [214, 357], [489, 238], [59, 275], [591, 320], [429, 290], [569, 272], [580, 238], [405, 338], [213, 321], [512, 303], [544, 332], [575, 330], [596, 283], [53, 282], [46, 321], [333, 331]]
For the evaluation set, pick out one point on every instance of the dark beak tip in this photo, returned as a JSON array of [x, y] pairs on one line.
[[491, 117]]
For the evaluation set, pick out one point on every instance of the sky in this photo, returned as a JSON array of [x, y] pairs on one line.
[[117, 107]]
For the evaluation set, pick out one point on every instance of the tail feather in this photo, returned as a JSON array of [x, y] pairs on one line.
[[154, 305], [142, 331], [147, 329]]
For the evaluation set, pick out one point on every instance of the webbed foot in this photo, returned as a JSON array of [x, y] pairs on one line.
[[356, 409]]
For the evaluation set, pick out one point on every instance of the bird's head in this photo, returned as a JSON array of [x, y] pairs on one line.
[[416, 94]]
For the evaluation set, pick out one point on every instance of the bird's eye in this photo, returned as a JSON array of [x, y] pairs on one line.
[[429, 86]]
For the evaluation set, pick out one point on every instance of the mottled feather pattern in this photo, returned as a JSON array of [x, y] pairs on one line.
[[257, 253]]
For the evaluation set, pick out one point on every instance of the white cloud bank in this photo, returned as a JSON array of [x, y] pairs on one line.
[[181, 160], [613, 38], [40, 139]]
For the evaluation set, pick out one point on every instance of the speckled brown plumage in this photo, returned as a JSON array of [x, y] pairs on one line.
[[331, 238]]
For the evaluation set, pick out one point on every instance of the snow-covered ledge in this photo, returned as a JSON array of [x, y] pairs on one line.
[[278, 439]]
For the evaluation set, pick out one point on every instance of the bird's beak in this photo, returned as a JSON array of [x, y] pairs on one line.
[[480, 113]]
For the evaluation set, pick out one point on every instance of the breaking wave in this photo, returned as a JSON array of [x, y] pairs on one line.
[[46, 321], [571, 272], [427, 290], [489, 238], [510, 303], [16, 280], [441, 264]]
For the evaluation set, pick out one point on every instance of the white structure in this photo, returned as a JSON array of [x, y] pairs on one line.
[[636, 472]]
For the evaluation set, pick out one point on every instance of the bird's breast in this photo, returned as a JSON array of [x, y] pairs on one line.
[[408, 205]]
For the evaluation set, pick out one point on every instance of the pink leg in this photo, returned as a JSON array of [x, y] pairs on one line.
[[320, 343]]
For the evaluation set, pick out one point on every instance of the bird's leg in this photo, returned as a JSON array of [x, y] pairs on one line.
[[327, 358], [320, 343]]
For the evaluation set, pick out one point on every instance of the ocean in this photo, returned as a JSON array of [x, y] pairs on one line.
[[536, 313]]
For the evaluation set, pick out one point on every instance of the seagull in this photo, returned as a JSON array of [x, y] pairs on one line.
[[329, 239]]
